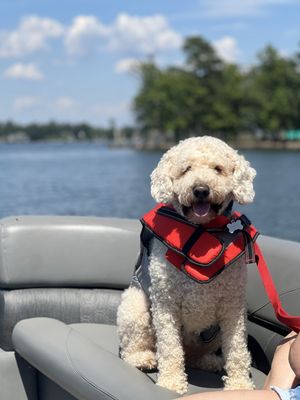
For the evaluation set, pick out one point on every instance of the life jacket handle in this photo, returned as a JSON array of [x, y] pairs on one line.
[[293, 322]]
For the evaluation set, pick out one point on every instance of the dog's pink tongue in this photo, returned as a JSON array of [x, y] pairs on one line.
[[201, 209]]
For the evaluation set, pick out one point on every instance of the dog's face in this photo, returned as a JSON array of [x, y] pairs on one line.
[[200, 176]]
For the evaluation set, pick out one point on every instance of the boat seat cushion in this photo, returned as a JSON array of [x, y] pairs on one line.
[[106, 336], [70, 305], [67, 252], [83, 359]]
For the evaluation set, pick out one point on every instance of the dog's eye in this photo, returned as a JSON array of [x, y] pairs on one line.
[[187, 169], [219, 169]]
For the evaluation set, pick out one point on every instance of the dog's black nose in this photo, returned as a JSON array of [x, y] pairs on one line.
[[201, 192]]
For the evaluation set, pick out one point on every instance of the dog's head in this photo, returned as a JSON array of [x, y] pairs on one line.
[[200, 176]]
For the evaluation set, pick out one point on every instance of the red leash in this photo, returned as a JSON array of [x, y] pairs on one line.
[[291, 321]]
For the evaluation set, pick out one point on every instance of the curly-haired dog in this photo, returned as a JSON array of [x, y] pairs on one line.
[[199, 177]]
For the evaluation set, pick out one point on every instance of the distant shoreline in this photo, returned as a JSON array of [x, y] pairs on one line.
[[241, 144], [266, 145], [237, 144]]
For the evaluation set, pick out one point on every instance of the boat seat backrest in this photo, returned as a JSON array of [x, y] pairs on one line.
[[67, 252], [69, 268]]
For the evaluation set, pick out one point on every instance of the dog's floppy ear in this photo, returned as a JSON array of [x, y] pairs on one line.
[[243, 175], [161, 178]]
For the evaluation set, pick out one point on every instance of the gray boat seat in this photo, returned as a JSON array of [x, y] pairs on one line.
[[73, 270], [60, 267], [83, 359], [65, 268]]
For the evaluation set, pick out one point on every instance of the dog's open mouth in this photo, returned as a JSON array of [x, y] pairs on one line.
[[201, 209]]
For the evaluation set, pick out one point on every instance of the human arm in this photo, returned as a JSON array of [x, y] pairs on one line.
[[281, 373], [294, 355]]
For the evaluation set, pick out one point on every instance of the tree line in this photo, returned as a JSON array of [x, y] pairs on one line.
[[12, 131], [208, 95]]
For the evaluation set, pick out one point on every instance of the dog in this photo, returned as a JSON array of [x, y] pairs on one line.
[[199, 178]]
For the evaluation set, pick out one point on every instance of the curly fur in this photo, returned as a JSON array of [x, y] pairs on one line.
[[164, 330]]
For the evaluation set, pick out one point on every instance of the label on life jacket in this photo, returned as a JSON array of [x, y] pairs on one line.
[[200, 251]]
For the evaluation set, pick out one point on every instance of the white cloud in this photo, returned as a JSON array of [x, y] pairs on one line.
[[24, 71], [25, 103], [227, 49], [238, 8], [127, 65], [85, 33], [30, 36], [130, 34], [143, 34]]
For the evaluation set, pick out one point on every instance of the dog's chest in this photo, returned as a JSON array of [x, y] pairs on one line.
[[199, 300], [203, 304]]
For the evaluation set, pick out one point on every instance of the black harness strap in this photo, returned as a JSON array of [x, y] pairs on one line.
[[146, 237], [228, 210], [192, 239]]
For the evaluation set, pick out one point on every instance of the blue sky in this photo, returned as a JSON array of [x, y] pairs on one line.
[[70, 60]]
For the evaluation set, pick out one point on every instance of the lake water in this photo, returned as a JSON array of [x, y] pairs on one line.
[[91, 179]]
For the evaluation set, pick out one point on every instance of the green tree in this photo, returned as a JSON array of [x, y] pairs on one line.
[[146, 104], [220, 106], [225, 103], [201, 57], [170, 103], [274, 92]]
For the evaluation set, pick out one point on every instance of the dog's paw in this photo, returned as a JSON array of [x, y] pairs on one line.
[[144, 360], [237, 383], [177, 383]]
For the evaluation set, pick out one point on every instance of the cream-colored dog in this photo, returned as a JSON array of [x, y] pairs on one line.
[[199, 177]]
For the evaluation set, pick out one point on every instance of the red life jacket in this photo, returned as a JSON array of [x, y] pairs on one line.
[[203, 252]]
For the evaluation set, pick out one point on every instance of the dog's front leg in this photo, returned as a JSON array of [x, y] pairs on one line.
[[170, 356], [166, 314], [234, 346]]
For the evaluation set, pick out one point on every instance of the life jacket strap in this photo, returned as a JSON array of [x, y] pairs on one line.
[[192, 239]]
